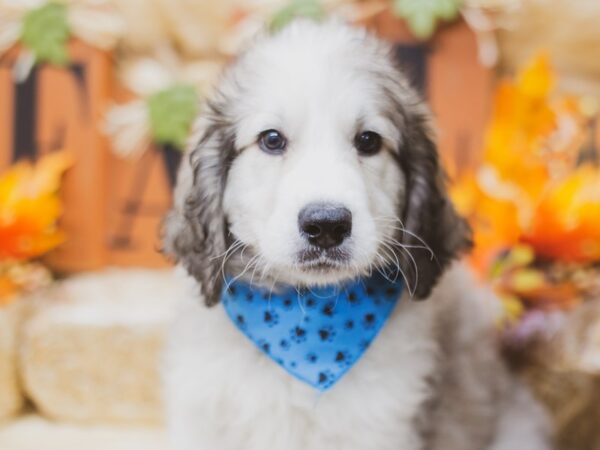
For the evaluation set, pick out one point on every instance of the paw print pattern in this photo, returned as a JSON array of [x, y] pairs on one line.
[[241, 321], [310, 303], [325, 379], [271, 318], [369, 320], [353, 299], [391, 294], [364, 344], [288, 304], [312, 357], [315, 335], [326, 333], [265, 346], [343, 358], [328, 309], [231, 290], [298, 334]]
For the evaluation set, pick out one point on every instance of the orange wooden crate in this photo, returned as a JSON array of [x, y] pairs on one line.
[[112, 208]]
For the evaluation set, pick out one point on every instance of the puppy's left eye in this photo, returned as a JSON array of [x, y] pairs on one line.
[[272, 141], [368, 143]]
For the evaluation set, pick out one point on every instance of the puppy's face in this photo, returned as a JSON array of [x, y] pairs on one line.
[[314, 189], [314, 165]]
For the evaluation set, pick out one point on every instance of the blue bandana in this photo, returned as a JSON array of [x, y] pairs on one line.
[[315, 334]]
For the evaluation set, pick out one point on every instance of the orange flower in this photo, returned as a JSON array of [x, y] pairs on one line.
[[30, 207], [534, 212], [566, 225], [494, 221], [531, 144]]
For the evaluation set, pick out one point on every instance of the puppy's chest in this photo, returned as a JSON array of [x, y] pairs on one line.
[[373, 406]]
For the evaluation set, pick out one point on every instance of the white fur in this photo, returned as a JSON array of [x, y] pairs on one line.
[[319, 112], [225, 394], [222, 392]]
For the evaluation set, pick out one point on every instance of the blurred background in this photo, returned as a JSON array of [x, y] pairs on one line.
[[96, 102]]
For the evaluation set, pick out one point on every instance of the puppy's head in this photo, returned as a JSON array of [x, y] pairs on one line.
[[313, 163]]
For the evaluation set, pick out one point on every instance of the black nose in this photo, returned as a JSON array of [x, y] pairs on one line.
[[325, 225]]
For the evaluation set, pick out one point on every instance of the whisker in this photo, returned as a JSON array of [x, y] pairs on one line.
[[235, 244], [384, 256], [241, 274], [228, 254], [403, 229]]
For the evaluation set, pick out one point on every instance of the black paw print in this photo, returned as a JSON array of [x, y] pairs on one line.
[[349, 324], [328, 309], [343, 358], [310, 303], [369, 320], [249, 297], [312, 357], [231, 290], [293, 364], [353, 299], [370, 291], [298, 334], [326, 333], [285, 344], [266, 347], [325, 378], [271, 318], [390, 294], [288, 304], [364, 344], [240, 320]]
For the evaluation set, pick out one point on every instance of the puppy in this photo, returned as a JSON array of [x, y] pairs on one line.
[[313, 166]]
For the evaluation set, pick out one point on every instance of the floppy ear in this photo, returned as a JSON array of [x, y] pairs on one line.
[[428, 215], [195, 231]]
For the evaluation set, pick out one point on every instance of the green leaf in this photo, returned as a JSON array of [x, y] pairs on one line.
[[310, 9], [172, 112], [448, 9], [406, 8], [422, 24], [45, 32], [422, 15]]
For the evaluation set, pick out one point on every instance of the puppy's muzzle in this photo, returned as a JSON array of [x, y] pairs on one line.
[[325, 225]]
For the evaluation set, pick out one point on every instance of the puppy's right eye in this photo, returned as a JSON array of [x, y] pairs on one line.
[[368, 143], [272, 141]]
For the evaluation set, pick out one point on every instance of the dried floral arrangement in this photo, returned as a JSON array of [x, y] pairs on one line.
[[29, 210], [44, 28], [534, 203]]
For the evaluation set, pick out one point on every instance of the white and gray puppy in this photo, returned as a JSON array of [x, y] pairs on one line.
[[318, 120]]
